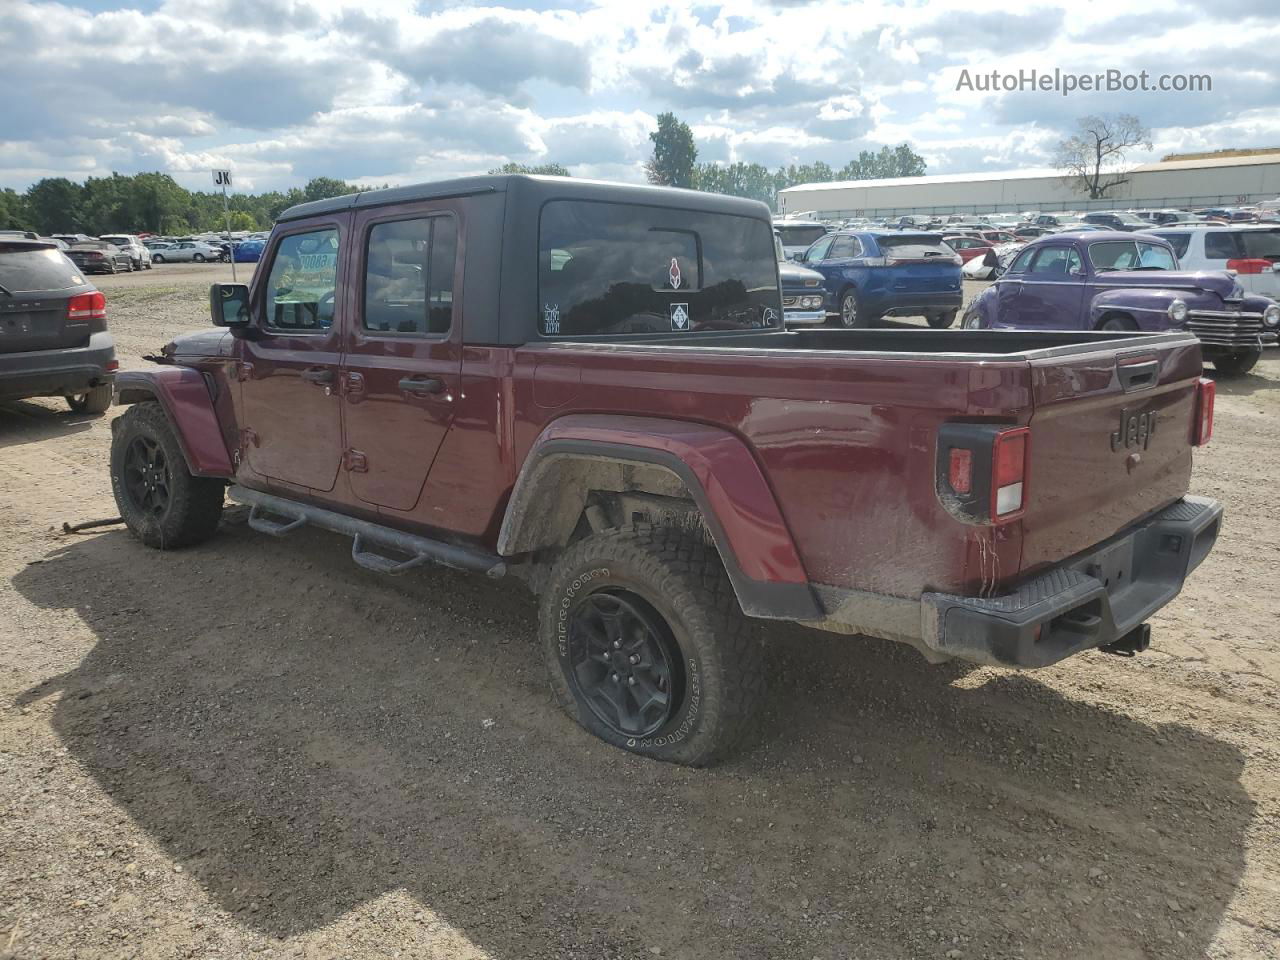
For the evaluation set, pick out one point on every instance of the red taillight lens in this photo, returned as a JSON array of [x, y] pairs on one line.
[[960, 470], [1206, 391], [1008, 472], [1250, 265], [87, 306]]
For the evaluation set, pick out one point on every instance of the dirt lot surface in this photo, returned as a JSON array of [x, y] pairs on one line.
[[256, 748]]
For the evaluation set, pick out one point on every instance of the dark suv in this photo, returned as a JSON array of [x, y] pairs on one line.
[[53, 328]]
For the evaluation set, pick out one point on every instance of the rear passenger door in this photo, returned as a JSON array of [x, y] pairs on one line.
[[403, 360]]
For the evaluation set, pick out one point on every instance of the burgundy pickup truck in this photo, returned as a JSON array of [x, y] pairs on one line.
[[589, 387]]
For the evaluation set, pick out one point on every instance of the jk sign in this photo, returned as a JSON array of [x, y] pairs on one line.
[[222, 178]]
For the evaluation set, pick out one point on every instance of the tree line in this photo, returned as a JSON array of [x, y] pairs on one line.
[[148, 203], [156, 203]]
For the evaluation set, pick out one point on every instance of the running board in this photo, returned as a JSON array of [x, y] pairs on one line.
[[266, 513]]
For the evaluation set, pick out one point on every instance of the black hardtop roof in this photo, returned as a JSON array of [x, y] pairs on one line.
[[537, 189]]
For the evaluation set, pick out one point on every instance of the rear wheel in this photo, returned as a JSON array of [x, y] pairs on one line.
[[162, 504], [1237, 364], [95, 400], [940, 321], [198, 258], [646, 647]]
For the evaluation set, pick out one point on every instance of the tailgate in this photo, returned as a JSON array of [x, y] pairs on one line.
[[38, 322], [1111, 435]]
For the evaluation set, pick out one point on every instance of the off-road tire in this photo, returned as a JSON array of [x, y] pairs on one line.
[[94, 400], [1237, 364], [683, 580], [941, 321], [194, 503]]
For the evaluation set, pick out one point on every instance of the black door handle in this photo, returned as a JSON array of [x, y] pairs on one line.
[[422, 385], [318, 375]]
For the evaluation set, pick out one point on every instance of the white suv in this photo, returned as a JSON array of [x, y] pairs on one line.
[[139, 254], [1251, 252]]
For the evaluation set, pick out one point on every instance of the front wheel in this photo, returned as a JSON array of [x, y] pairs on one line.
[[158, 258], [1237, 364], [95, 400], [941, 321], [161, 503], [646, 647], [851, 315]]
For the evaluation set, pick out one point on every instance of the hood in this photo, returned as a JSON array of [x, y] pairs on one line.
[[794, 275], [1213, 281], [215, 342]]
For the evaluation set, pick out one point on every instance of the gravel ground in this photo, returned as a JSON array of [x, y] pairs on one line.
[[256, 748]]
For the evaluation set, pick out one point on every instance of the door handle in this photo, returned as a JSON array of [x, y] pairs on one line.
[[422, 385], [318, 375]]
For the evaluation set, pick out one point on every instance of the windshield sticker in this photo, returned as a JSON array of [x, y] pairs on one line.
[[679, 315], [674, 276], [770, 316], [551, 318]]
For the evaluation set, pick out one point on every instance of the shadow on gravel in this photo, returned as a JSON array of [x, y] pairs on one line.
[[1243, 385], [24, 422], [304, 737]]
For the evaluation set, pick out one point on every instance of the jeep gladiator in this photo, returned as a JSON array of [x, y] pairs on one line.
[[589, 386]]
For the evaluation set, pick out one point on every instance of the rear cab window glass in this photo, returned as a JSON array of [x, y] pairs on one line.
[[615, 269], [796, 236], [302, 285], [25, 268], [409, 276]]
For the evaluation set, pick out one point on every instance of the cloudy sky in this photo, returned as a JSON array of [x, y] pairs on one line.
[[399, 91]]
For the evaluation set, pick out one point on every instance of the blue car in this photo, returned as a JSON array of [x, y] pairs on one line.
[[248, 251], [872, 274]]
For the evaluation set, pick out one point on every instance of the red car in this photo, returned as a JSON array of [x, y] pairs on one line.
[[588, 387], [967, 246]]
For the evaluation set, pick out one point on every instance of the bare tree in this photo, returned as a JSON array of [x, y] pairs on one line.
[[1092, 160]]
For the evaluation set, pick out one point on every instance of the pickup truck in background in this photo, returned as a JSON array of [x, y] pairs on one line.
[[589, 387]]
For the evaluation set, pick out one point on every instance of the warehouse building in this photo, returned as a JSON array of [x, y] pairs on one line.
[[1179, 184]]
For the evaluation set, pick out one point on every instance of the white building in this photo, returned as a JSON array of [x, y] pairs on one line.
[[1229, 181]]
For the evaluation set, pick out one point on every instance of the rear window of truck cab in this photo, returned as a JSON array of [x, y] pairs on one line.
[[614, 269]]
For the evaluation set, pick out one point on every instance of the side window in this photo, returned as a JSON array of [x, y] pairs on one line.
[[1054, 262], [818, 251], [1023, 260], [1219, 245], [303, 282], [408, 280], [842, 248]]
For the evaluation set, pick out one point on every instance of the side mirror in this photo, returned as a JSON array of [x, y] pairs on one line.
[[229, 305]]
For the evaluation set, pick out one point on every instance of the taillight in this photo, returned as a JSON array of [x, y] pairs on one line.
[[1249, 265], [1008, 473], [960, 470], [87, 306], [1206, 391]]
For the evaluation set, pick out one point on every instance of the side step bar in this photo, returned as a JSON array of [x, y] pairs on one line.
[[265, 509]]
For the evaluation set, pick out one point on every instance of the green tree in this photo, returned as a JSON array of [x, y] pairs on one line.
[[322, 188], [674, 153], [537, 169], [752, 180], [14, 214], [54, 204], [155, 198]]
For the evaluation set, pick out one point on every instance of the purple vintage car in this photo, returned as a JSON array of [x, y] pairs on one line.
[[1125, 281]]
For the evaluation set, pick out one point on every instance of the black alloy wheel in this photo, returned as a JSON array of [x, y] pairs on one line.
[[147, 479], [624, 662]]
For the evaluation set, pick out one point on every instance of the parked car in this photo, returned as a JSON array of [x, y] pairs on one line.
[[138, 252], [1029, 231], [802, 294], [248, 251], [620, 422], [53, 328], [71, 239], [798, 235], [1114, 220], [1131, 282], [97, 256], [967, 247], [871, 274], [1054, 221], [186, 251], [1252, 253]]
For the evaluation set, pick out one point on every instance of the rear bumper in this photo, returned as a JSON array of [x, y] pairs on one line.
[[1091, 600], [59, 372]]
